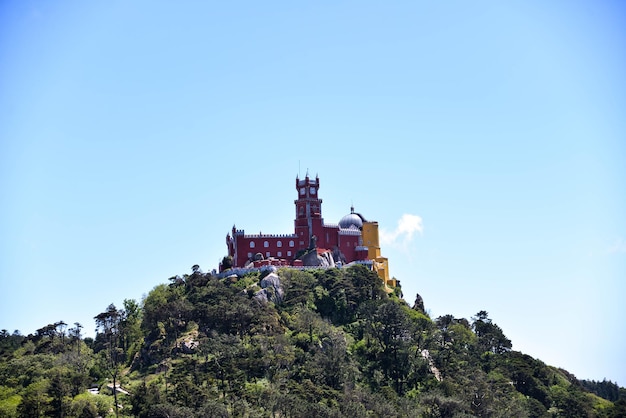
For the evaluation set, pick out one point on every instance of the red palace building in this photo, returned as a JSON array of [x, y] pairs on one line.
[[343, 240]]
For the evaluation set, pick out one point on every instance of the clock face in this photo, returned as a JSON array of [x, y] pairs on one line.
[[302, 190], [312, 190]]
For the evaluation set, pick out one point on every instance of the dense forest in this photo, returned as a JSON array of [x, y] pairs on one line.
[[287, 343]]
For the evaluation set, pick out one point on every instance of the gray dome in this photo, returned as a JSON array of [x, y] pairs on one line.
[[352, 220]]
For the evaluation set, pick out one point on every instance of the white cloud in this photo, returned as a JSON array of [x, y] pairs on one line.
[[618, 247], [408, 225]]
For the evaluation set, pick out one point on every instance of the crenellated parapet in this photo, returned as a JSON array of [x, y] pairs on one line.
[[351, 231], [306, 181], [258, 236], [236, 232]]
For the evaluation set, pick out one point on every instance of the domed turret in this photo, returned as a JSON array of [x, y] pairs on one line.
[[353, 219]]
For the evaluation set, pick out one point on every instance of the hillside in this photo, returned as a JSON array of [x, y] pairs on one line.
[[291, 343]]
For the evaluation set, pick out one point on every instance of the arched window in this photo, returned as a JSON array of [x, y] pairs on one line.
[[288, 253], [267, 254], [279, 244], [291, 243], [279, 254], [266, 244], [251, 244]]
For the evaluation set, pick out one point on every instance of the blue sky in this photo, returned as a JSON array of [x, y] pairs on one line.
[[488, 139]]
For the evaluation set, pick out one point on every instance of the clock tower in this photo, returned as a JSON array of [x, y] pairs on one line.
[[309, 220]]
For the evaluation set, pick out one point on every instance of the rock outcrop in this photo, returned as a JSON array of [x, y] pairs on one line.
[[271, 289], [317, 258], [419, 304]]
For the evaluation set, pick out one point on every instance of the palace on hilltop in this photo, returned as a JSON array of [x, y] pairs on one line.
[[313, 242]]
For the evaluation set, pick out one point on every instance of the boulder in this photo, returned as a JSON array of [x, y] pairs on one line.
[[419, 304], [273, 288], [323, 259]]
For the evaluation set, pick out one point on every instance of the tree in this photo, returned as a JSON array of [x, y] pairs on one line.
[[362, 284], [35, 400], [143, 397], [87, 405], [9, 343], [392, 333], [75, 335], [130, 327], [490, 336], [341, 292], [298, 286], [330, 361], [59, 391], [108, 324], [227, 262], [165, 309]]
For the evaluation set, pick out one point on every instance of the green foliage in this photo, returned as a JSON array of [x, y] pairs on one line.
[[87, 405], [144, 396], [340, 293], [298, 286], [227, 262], [9, 343], [335, 345], [604, 389], [489, 336], [9, 402], [35, 400]]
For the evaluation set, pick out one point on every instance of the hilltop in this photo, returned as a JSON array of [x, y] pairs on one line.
[[286, 343]]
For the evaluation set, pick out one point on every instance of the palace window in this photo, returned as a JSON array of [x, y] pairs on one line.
[[279, 244], [288, 253], [251, 244], [266, 244], [291, 244], [267, 254], [279, 254], [249, 255]]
